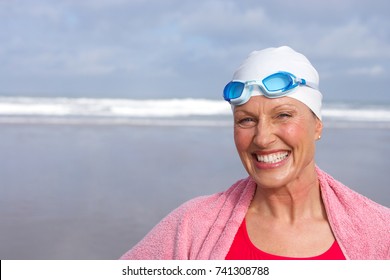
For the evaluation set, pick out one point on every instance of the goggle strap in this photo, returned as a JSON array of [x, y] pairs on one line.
[[300, 81], [306, 83], [312, 85]]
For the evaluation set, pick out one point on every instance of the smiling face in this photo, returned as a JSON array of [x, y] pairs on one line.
[[275, 139]]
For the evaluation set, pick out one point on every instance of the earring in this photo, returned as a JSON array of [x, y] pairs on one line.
[[319, 137]]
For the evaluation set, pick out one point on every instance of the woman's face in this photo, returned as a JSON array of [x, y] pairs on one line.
[[275, 139]]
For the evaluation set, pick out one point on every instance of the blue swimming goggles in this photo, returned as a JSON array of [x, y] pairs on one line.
[[276, 85]]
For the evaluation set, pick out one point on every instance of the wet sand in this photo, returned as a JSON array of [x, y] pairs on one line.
[[91, 192]]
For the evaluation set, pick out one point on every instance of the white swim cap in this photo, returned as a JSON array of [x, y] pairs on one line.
[[260, 64]]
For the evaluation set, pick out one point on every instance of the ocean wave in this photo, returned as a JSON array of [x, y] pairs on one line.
[[24, 106], [158, 111]]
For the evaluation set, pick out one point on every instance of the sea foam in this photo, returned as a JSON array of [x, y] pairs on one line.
[[160, 112]]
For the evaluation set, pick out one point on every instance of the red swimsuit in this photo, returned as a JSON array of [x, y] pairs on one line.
[[243, 249]]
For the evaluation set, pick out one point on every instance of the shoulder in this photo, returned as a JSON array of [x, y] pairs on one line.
[[209, 204], [336, 193], [181, 234], [358, 222]]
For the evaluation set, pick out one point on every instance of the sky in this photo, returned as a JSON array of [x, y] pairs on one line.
[[187, 49]]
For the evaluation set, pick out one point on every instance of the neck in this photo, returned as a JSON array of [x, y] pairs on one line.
[[300, 200]]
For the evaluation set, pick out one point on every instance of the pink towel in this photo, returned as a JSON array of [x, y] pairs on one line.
[[204, 228]]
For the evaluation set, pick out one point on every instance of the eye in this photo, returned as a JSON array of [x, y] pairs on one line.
[[246, 122], [284, 115]]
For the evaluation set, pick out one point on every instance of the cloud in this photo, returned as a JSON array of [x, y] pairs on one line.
[[179, 43], [375, 70], [354, 40]]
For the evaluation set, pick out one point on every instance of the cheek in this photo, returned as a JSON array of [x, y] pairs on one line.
[[300, 138], [292, 132], [242, 139]]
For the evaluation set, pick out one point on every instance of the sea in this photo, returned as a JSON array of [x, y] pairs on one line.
[[85, 178]]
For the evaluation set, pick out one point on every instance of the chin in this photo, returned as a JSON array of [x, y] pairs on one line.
[[273, 177]]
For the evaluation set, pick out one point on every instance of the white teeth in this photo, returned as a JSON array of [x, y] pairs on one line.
[[272, 158]]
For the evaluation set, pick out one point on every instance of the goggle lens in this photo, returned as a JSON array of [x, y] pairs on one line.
[[278, 82], [233, 90]]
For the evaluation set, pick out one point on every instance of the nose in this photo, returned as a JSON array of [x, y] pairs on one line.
[[264, 134]]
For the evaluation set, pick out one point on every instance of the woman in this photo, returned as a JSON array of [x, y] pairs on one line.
[[287, 208]]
